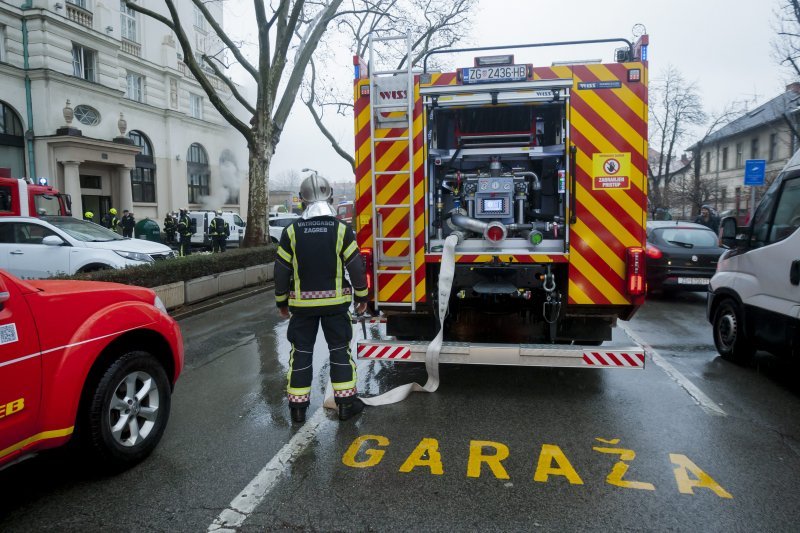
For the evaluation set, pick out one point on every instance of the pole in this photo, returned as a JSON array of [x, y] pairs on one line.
[[752, 202]]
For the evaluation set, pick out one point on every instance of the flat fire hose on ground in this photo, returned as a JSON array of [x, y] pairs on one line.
[[446, 273]]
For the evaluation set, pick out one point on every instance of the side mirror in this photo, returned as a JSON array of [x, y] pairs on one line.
[[52, 240]]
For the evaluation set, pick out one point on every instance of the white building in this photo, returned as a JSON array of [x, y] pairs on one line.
[[116, 72]]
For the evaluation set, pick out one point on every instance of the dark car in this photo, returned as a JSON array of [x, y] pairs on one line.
[[680, 256]]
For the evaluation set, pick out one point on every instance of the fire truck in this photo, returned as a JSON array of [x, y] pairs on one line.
[[19, 197], [539, 172]]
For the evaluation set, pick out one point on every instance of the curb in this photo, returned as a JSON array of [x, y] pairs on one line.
[[191, 310]]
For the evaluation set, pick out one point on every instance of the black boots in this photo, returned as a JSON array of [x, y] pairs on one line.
[[349, 410], [298, 413]]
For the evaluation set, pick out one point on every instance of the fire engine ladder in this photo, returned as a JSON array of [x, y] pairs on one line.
[[401, 265]]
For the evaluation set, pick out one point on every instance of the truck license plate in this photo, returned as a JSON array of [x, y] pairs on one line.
[[693, 281], [493, 74]]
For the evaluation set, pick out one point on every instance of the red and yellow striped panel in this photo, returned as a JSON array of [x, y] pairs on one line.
[[608, 221], [391, 189]]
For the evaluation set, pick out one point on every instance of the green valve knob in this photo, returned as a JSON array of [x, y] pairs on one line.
[[536, 238]]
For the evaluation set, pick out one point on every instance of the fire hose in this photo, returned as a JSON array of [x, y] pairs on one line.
[[446, 274]]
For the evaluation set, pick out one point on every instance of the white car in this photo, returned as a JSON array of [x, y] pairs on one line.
[[278, 223], [43, 247]]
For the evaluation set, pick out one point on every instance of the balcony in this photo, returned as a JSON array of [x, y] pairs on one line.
[[79, 15], [216, 83], [130, 47]]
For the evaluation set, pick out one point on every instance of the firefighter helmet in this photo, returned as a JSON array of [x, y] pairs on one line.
[[315, 188], [218, 212], [112, 211], [89, 215]]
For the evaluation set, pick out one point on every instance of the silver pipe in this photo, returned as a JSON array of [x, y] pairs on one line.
[[468, 223]]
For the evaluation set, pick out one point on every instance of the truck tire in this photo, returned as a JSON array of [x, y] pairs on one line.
[[730, 336], [128, 410]]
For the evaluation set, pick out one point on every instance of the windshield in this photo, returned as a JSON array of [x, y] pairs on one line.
[[46, 205], [689, 237], [84, 231]]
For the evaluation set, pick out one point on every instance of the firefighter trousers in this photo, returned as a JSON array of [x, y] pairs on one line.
[[302, 334], [218, 243], [185, 245]]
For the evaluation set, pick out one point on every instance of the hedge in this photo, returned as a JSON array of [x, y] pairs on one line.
[[183, 268]]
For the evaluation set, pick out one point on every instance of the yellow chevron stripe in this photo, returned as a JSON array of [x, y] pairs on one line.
[[577, 295], [576, 260], [600, 248], [387, 289], [624, 93]]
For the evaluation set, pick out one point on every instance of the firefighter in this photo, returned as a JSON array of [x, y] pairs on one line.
[[110, 219], [219, 231], [313, 253], [88, 216], [169, 227], [127, 223], [185, 233]]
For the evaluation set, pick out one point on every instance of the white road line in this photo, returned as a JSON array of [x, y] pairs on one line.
[[254, 493], [706, 403]]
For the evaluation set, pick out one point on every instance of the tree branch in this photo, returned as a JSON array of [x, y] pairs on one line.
[[232, 86], [237, 53]]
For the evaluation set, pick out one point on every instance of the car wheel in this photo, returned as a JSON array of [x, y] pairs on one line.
[[128, 410], [730, 337]]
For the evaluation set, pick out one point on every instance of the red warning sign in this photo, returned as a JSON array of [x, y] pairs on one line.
[[611, 171]]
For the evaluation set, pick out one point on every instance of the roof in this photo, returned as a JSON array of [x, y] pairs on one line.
[[766, 113]]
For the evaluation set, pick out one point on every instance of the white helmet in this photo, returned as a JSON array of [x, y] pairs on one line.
[[315, 188]]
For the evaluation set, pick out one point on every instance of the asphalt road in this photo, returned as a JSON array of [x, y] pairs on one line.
[[691, 443]]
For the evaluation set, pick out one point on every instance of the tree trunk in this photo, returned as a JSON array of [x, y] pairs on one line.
[[259, 160]]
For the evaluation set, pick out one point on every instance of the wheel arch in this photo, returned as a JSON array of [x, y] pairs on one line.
[[726, 293], [91, 267]]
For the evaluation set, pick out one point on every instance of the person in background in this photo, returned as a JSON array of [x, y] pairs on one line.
[[127, 223], [184, 233], [708, 218], [219, 231], [110, 219], [88, 216], [169, 227]]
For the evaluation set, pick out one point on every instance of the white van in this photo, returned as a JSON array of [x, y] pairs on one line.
[[204, 218], [754, 297]]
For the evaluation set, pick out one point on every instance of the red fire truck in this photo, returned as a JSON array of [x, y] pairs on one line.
[[540, 174], [19, 197]]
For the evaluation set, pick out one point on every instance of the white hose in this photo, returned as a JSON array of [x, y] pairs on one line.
[[446, 274]]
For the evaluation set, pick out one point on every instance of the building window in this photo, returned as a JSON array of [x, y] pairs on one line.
[[725, 158], [773, 146], [87, 115], [708, 162], [198, 173], [83, 62], [199, 19], [127, 22], [12, 141], [754, 148], [196, 105], [91, 182], [739, 155], [135, 89], [3, 43], [143, 177]]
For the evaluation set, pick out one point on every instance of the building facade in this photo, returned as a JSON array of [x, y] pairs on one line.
[[763, 133], [96, 98]]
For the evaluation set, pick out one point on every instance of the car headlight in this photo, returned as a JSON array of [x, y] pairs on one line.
[[135, 256], [160, 305]]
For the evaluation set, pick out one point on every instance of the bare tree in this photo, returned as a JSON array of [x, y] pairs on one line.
[[288, 180], [434, 25], [294, 24], [675, 107], [786, 43]]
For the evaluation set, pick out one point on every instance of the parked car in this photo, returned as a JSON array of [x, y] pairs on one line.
[[96, 362], [43, 247], [681, 256], [203, 219], [278, 223], [345, 211], [754, 298]]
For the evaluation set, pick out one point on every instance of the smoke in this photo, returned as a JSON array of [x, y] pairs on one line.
[[226, 189]]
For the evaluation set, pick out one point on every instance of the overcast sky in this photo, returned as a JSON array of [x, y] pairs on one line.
[[722, 45]]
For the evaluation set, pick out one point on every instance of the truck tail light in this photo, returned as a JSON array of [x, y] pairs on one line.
[[366, 255], [653, 252], [636, 265]]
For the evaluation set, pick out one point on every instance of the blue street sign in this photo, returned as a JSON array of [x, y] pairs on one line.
[[754, 170]]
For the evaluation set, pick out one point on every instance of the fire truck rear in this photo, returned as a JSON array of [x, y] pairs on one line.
[[18, 197], [540, 174]]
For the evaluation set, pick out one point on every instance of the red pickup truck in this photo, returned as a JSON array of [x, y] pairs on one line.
[[86, 360]]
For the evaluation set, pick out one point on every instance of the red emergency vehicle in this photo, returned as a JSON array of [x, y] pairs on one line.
[[539, 172], [19, 197], [87, 360]]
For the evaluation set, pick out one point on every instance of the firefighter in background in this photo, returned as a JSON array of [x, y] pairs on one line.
[[219, 230], [169, 227], [313, 253], [110, 219], [127, 223], [88, 216], [185, 233]]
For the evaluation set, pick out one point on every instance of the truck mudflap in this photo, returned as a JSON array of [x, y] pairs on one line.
[[548, 355]]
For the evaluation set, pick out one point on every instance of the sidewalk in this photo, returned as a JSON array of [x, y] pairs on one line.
[[186, 311]]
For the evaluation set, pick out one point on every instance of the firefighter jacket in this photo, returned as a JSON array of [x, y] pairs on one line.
[[219, 228], [184, 226], [169, 223], [309, 272], [110, 221]]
